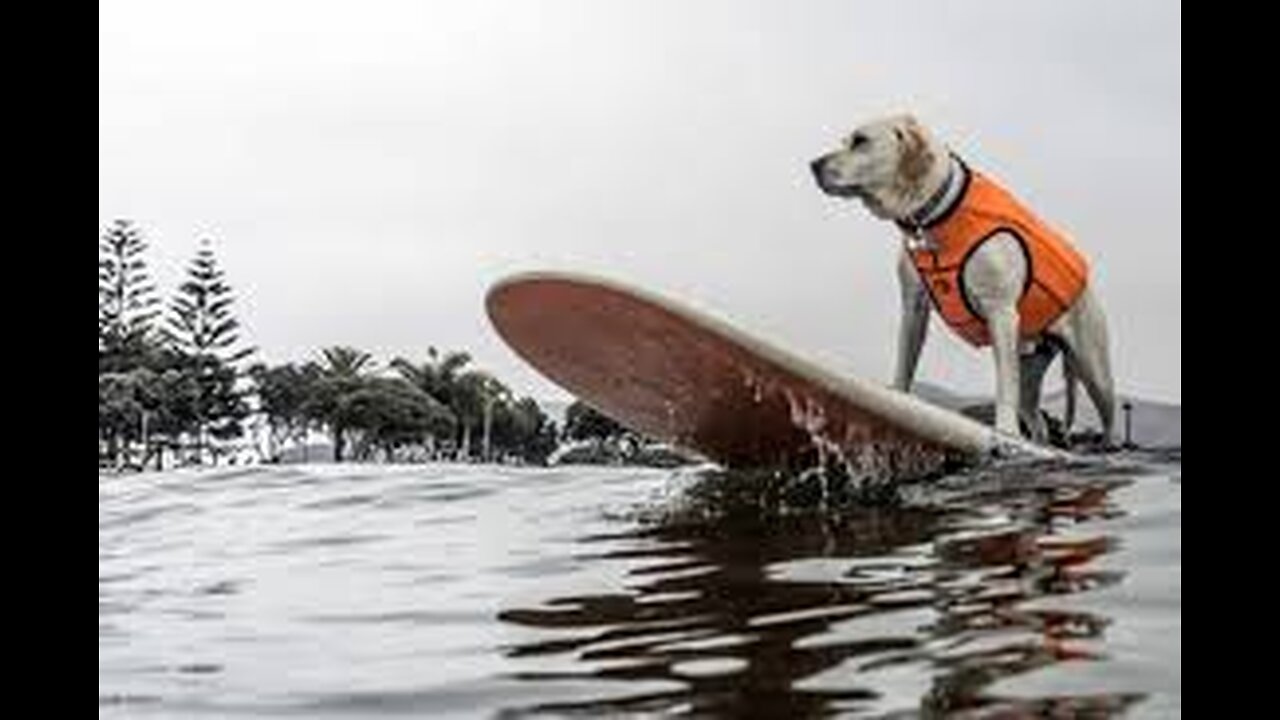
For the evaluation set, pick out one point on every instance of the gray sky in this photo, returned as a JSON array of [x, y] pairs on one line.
[[367, 169]]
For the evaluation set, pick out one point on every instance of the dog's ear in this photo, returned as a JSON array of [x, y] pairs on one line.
[[915, 158]]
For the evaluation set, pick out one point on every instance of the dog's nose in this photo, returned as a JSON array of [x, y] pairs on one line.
[[818, 168]]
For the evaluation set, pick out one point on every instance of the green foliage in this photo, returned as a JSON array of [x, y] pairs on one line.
[[151, 404], [285, 393], [437, 376], [126, 297], [172, 389], [203, 331], [201, 323], [522, 429], [391, 413], [178, 389], [583, 422], [465, 392], [438, 404]]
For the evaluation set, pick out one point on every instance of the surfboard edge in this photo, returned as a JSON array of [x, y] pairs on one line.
[[909, 412]]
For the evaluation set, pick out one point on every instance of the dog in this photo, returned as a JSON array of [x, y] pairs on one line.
[[972, 253]]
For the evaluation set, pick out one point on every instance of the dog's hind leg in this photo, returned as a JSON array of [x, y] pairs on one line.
[[1032, 367], [1083, 332], [1096, 376], [1069, 397]]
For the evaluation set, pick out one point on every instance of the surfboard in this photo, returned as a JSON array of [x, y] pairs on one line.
[[683, 377]]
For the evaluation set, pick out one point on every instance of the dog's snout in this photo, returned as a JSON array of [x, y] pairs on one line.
[[818, 166]]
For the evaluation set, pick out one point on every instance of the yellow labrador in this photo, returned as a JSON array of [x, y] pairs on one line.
[[975, 255]]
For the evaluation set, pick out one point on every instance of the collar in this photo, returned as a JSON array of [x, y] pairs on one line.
[[943, 201]]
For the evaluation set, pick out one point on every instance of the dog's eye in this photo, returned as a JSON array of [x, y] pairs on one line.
[[857, 140]]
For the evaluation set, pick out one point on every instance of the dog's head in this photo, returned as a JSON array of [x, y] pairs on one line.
[[887, 163]]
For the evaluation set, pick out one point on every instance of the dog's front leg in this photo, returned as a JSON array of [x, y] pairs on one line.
[[993, 279], [1002, 322], [914, 324]]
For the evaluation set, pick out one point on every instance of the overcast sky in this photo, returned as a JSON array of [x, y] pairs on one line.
[[366, 169]]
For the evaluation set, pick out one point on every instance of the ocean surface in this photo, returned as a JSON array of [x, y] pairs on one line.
[[350, 591]]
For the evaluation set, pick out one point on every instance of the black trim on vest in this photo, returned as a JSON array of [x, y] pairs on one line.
[[1026, 282]]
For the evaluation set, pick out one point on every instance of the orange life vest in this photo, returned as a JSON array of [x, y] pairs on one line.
[[1056, 271]]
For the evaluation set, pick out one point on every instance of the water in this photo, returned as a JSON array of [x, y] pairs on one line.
[[464, 591]]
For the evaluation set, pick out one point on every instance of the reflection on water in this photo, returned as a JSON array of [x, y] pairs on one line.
[[921, 606], [463, 591]]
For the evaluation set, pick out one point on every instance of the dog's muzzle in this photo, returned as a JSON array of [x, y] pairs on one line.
[[819, 169]]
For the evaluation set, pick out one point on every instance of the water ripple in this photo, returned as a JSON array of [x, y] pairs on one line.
[[457, 591]]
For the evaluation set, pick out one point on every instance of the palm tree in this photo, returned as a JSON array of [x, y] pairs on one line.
[[490, 392], [345, 362], [342, 374], [443, 377]]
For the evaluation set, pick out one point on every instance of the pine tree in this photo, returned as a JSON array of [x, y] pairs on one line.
[[203, 329], [126, 297], [200, 321]]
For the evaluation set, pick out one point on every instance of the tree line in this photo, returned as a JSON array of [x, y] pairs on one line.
[[176, 384], [437, 408], [167, 376]]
